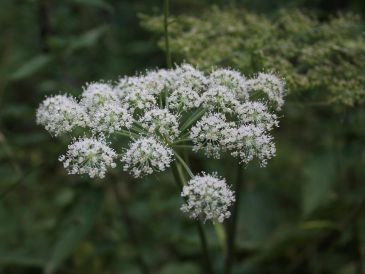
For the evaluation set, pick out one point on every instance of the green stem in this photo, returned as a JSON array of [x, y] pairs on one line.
[[181, 181], [232, 225], [182, 162], [166, 30]]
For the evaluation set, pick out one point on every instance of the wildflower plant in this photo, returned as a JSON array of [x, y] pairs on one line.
[[162, 112]]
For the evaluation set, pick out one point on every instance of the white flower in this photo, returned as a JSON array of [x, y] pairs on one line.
[[161, 122], [145, 156], [126, 85], [233, 80], [188, 76], [249, 142], [209, 133], [183, 99], [96, 95], [256, 113], [60, 114], [139, 99], [208, 198], [220, 98], [89, 156], [110, 118], [158, 81], [270, 85]]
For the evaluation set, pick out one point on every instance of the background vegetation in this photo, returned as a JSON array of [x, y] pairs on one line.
[[302, 214]]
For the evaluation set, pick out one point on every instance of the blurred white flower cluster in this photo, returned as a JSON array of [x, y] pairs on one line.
[[162, 112]]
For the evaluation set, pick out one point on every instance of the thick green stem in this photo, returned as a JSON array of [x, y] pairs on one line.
[[232, 225], [166, 30], [177, 170]]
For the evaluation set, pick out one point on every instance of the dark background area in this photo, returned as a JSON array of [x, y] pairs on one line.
[[302, 214]]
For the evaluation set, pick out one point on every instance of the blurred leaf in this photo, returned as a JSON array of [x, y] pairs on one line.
[[31, 67], [175, 268], [320, 173], [96, 3], [18, 258], [87, 39], [75, 227], [318, 224]]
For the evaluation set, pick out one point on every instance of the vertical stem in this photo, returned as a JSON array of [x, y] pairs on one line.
[[232, 225], [180, 180], [166, 30], [132, 235]]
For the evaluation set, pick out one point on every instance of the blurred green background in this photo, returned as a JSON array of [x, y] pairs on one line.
[[304, 213]]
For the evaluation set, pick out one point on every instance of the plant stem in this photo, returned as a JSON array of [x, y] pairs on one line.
[[166, 29], [180, 180], [232, 225], [132, 235]]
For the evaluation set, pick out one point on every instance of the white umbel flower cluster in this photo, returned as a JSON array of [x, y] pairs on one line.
[[161, 122], [96, 95], [232, 80], [89, 156], [110, 118], [209, 134], [162, 112], [270, 85], [146, 156], [60, 114], [248, 142], [207, 197]]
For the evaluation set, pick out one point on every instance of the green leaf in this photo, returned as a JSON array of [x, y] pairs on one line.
[[320, 173], [96, 3], [74, 229], [87, 39], [31, 67]]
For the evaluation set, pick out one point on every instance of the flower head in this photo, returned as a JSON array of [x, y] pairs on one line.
[[110, 118], [219, 98], [208, 134], [139, 99], [158, 81], [208, 198], [248, 142], [233, 80], [270, 85], [60, 114], [90, 156], [161, 122], [188, 76], [96, 95], [145, 156], [183, 99], [256, 113]]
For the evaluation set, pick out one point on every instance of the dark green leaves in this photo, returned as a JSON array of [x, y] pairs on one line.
[[75, 227]]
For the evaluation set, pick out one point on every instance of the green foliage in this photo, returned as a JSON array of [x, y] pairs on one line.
[[319, 59]]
